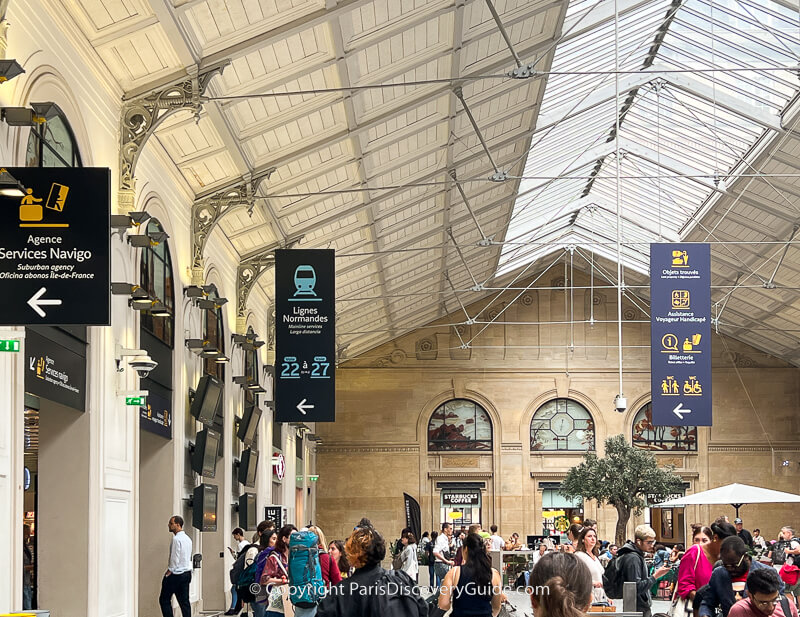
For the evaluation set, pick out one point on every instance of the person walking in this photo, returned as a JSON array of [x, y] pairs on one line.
[[241, 544], [276, 573], [432, 560], [179, 571], [473, 589], [587, 551], [410, 557], [441, 553]]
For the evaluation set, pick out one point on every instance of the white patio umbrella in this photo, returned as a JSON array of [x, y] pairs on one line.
[[735, 494]]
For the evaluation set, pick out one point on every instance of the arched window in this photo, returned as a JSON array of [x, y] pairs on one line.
[[562, 424], [646, 436], [251, 360], [215, 335], [156, 278], [459, 425], [54, 145]]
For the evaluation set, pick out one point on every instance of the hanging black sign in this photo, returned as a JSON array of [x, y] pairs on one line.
[[274, 514], [54, 248], [156, 415], [305, 335], [54, 372]]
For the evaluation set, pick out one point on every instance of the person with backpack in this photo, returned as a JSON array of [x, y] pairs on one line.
[[474, 589], [629, 567], [276, 576], [306, 584], [785, 549], [560, 586], [241, 544], [372, 591], [764, 598], [330, 569]]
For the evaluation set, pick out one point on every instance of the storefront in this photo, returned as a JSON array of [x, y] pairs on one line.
[[461, 503], [558, 512], [668, 523]]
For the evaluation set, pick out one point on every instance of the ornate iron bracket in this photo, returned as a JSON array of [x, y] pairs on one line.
[[250, 270], [247, 274], [142, 115], [207, 211]]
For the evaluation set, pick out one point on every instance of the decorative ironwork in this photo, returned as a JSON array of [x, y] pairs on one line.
[[207, 211], [249, 271], [141, 116], [661, 438], [247, 274]]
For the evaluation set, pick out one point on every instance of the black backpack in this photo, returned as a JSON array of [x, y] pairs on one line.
[[779, 551], [612, 578], [397, 595], [239, 565]]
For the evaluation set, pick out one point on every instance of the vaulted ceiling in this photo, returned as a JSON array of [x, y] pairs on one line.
[[401, 137]]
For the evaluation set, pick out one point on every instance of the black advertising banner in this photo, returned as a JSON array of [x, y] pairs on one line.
[[54, 248], [305, 335], [156, 415], [54, 372], [680, 334], [413, 515], [274, 514]]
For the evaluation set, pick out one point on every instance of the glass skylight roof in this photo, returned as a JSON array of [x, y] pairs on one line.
[[689, 114]]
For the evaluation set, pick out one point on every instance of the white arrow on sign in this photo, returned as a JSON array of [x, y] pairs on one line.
[[680, 412], [36, 302], [301, 407]]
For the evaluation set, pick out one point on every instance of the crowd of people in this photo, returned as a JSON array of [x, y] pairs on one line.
[[725, 572]]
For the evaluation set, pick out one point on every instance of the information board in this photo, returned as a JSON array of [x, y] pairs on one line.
[[54, 372], [54, 248], [680, 334], [305, 335]]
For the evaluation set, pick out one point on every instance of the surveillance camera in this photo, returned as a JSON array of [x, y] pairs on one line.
[[142, 365], [620, 403]]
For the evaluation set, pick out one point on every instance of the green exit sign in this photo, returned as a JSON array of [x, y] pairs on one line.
[[138, 401], [313, 478], [9, 345]]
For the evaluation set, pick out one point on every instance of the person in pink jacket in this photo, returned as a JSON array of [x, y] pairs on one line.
[[698, 561]]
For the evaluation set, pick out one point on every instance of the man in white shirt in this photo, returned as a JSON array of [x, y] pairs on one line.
[[498, 544], [179, 572], [441, 552]]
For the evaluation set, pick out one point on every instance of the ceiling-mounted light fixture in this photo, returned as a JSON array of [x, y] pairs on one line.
[[128, 289], [211, 304], [10, 186], [9, 69], [221, 358], [140, 304], [193, 291], [159, 309], [45, 111]]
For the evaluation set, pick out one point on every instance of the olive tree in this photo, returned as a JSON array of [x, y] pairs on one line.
[[622, 478]]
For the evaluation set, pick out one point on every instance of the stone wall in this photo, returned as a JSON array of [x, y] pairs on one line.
[[377, 448]]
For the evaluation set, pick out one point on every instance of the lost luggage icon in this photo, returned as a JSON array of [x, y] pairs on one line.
[[680, 259], [32, 212]]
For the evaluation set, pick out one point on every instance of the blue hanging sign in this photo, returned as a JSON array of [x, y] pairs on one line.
[[680, 334]]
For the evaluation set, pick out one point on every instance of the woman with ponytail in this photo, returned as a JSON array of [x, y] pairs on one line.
[[473, 589], [560, 586]]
